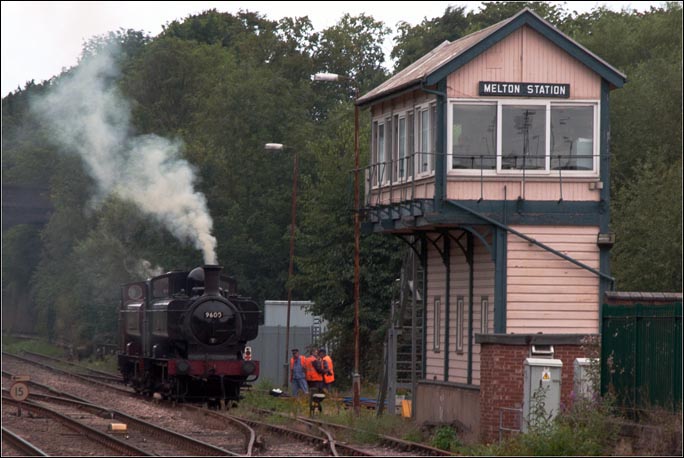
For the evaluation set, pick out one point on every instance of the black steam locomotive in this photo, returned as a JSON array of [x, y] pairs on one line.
[[183, 336]]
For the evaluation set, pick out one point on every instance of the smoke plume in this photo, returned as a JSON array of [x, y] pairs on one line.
[[87, 114]]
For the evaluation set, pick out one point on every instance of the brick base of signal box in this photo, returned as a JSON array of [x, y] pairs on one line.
[[501, 378]]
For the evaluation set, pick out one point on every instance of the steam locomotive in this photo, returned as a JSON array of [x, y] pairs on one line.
[[183, 336]]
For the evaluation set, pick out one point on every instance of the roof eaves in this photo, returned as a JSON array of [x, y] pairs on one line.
[[408, 76]]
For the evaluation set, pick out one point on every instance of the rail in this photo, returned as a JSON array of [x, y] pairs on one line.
[[16, 442]]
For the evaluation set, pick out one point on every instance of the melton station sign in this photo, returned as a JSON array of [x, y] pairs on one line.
[[495, 88]]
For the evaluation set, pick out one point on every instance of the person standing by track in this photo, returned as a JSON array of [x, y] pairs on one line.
[[328, 372], [313, 366], [298, 373]]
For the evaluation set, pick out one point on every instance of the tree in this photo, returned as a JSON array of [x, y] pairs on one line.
[[647, 219], [413, 42]]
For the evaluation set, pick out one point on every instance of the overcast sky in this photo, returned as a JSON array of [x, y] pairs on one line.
[[39, 39]]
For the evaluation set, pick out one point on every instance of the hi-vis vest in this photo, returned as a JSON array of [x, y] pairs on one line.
[[329, 378], [311, 374]]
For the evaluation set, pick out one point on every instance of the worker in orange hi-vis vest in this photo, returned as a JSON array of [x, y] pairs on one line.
[[314, 376], [328, 372], [298, 373]]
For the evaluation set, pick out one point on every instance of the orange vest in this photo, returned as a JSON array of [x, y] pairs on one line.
[[311, 374], [302, 361], [329, 378]]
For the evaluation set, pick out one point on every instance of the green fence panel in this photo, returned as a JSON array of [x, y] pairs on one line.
[[641, 354]]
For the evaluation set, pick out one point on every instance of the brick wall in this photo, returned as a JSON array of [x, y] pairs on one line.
[[502, 376]]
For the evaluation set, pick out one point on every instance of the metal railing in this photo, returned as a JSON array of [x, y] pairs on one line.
[[517, 420], [382, 179]]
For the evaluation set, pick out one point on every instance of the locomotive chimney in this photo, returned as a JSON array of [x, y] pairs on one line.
[[211, 279]]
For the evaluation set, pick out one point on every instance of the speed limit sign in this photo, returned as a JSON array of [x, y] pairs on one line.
[[19, 391]]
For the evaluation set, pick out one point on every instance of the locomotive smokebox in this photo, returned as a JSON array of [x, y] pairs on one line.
[[211, 279]]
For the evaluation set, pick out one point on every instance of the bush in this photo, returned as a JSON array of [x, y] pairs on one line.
[[445, 438]]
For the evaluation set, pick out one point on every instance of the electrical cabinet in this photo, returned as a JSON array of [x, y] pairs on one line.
[[542, 390]]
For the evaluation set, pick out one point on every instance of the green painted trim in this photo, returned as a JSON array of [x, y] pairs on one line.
[[424, 262], [529, 339], [571, 213], [604, 216], [555, 36], [500, 280], [440, 156], [605, 154], [471, 288], [447, 296], [524, 212]]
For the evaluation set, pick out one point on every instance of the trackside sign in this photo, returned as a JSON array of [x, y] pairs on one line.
[[505, 89]]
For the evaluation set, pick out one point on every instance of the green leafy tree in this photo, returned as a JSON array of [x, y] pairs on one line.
[[647, 219], [413, 42], [646, 140], [19, 260]]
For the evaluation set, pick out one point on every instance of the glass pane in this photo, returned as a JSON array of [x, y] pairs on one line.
[[474, 136], [523, 137], [572, 134], [402, 147], [381, 152], [424, 140]]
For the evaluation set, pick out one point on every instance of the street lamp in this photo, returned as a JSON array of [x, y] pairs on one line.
[[356, 377], [290, 271]]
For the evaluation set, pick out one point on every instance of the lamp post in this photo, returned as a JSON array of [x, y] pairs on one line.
[[290, 270], [356, 377]]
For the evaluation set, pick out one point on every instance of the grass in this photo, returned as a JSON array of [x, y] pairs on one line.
[[13, 345], [367, 424]]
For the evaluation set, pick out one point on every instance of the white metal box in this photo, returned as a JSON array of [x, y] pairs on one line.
[[541, 390]]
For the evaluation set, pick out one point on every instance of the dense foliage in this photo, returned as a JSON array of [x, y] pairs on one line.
[[221, 86]]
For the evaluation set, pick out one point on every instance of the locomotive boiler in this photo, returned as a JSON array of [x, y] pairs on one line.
[[183, 336]]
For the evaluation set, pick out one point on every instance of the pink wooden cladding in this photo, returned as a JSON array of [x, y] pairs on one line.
[[483, 285], [457, 189], [546, 293], [525, 56], [549, 189]]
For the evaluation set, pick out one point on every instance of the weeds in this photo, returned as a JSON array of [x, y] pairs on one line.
[[445, 438]]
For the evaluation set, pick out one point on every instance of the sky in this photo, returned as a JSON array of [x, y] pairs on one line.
[[40, 39]]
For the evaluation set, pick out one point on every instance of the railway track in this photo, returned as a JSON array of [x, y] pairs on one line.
[[220, 429], [16, 445], [300, 436], [54, 432], [386, 445]]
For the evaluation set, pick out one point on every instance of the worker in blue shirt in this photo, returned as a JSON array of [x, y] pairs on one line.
[[298, 373]]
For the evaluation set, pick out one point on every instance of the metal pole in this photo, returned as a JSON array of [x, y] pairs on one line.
[[290, 271], [356, 377]]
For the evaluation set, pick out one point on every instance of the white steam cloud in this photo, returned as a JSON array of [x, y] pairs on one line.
[[88, 115]]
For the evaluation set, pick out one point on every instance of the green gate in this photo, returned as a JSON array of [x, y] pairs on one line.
[[641, 354]]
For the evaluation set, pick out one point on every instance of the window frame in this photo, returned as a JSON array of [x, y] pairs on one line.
[[418, 111], [547, 171], [397, 176], [384, 120]]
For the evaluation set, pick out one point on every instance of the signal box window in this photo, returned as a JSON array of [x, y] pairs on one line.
[[523, 137], [474, 136], [572, 133]]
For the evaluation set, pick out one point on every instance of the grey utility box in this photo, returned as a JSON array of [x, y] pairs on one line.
[[582, 383], [542, 384]]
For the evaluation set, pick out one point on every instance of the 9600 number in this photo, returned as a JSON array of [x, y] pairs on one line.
[[213, 315]]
